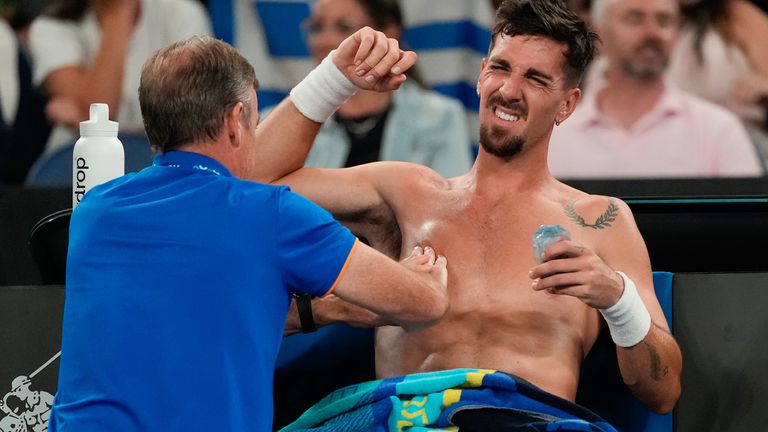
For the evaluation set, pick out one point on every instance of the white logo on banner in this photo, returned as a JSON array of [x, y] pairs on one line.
[[26, 410]]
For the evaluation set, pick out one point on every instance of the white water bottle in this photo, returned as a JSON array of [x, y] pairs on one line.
[[98, 155]]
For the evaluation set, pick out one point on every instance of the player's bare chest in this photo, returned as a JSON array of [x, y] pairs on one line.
[[483, 229]]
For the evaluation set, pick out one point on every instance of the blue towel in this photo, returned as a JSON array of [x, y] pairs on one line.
[[428, 401]]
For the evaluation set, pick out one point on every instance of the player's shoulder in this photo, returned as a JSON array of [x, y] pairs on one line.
[[596, 202], [595, 211]]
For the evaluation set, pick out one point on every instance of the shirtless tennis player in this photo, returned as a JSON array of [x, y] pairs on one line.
[[506, 312]]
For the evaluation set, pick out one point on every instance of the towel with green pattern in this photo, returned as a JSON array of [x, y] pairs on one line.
[[430, 401]]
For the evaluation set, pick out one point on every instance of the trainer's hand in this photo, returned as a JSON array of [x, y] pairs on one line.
[[425, 260], [569, 268], [372, 61]]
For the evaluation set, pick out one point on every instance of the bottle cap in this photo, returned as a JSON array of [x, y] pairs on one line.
[[99, 123]]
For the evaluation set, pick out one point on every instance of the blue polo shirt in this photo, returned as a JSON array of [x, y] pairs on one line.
[[179, 279]]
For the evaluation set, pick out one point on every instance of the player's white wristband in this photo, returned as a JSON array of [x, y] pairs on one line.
[[628, 320], [323, 91]]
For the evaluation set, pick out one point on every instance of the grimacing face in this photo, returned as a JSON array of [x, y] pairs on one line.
[[523, 90], [638, 36]]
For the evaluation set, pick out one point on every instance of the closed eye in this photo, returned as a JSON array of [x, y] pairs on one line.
[[498, 64], [539, 77]]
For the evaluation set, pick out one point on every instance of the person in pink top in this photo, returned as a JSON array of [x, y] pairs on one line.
[[632, 123]]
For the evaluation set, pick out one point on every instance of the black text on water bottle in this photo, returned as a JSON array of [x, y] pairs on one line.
[[81, 176]]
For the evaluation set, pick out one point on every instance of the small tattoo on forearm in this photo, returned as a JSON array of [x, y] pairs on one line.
[[658, 372], [602, 221]]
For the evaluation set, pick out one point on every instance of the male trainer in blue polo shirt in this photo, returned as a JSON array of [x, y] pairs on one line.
[[179, 277]]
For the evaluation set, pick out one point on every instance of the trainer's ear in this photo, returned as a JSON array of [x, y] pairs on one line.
[[233, 124]]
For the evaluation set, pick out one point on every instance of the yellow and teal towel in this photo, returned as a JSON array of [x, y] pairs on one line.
[[428, 401]]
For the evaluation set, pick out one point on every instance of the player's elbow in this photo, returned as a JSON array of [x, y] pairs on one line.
[[667, 402], [661, 399], [664, 407], [672, 387]]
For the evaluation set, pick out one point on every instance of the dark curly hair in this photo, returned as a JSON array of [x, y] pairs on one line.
[[552, 19]]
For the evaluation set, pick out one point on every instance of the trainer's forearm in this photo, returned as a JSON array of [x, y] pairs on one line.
[[331, 310], [652, 369]]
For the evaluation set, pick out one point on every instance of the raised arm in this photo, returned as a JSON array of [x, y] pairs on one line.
[[648, 355], [351, 194], [366, 60], [102, 79]]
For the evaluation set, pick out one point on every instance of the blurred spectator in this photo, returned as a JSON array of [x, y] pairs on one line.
[[632, 123], [450, 40], [89, 51], [23, 127], [412, 124], [722, 56]]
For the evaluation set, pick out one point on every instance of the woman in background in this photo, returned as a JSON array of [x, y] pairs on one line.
[[722, 55], [412, 124]]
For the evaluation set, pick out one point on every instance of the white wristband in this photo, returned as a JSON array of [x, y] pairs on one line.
[[323, 91], [628, 320]]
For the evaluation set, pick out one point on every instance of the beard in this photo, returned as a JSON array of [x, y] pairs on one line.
[[495, 142], [647, 70]]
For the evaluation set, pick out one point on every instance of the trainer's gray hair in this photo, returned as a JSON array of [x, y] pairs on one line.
[[187, 89]]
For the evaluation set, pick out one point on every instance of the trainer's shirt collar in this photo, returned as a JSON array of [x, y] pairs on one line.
[[191, 161]]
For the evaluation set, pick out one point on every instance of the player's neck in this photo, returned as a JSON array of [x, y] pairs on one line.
[[494, 175]]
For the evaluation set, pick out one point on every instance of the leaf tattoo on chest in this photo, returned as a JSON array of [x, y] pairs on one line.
[[602, 221]]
